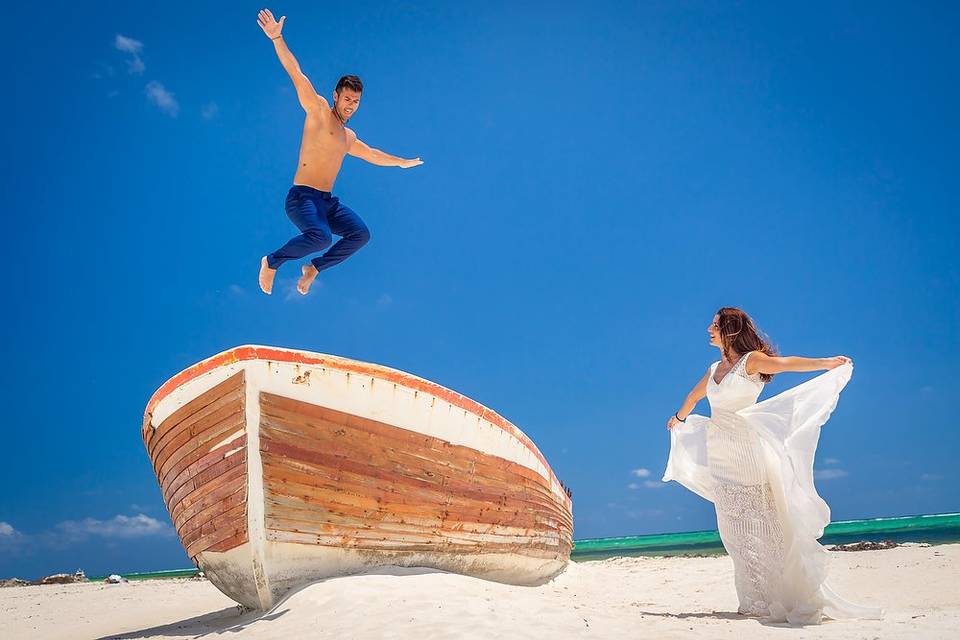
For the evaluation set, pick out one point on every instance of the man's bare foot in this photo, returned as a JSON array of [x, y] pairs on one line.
[[309, 275], [266, 276]]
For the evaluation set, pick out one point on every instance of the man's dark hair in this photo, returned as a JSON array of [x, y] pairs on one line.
[[350, 82]]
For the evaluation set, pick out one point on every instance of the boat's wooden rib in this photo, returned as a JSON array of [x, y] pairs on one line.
[[279, 467]]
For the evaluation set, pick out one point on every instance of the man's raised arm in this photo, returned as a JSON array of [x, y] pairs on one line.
[[309, 99]]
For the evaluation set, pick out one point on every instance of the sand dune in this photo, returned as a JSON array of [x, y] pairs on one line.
[[617, 598]]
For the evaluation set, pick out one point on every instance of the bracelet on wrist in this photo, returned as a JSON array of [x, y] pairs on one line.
[[278, 37], [677, 416]]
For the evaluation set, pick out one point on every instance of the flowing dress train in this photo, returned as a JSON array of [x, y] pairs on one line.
[[754, 461]]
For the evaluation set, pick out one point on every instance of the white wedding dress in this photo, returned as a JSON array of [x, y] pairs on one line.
[[754, 461]]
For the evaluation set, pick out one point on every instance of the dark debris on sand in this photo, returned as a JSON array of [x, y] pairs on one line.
[[865, 546]]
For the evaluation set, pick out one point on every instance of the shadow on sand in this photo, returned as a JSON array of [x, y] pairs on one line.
[[717, 615], [229, 620], [236, 619]]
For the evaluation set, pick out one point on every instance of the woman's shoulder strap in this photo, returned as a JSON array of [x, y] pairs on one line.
[[741, 368]]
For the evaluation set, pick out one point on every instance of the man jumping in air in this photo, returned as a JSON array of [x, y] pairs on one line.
[[326, 140]]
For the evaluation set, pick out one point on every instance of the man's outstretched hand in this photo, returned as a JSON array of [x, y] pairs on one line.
[[411, 163], [269, 25]]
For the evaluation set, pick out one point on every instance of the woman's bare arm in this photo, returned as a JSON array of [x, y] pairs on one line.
[[762, 363], [696, 394]]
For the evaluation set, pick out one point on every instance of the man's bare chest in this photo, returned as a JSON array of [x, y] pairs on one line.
[[328, 136]]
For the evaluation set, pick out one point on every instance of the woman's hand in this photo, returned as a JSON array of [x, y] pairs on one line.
[[673, 421], [836, 361]]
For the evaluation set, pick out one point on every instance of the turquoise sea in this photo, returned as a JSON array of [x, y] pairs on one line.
[[934, 529]]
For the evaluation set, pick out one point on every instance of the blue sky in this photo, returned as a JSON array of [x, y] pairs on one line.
[[600, 178]]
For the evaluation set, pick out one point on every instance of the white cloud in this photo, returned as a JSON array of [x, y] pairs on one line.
[[931, 476], [164, 100], [123, 43], [119, 526], [210, 111], [384, 301], [641, 473], [135, 65], [831, 461], [829, 474], [236, 290], [647, 484], [11, 540]]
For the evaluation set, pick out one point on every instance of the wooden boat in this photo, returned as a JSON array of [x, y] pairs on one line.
[[281, 467]]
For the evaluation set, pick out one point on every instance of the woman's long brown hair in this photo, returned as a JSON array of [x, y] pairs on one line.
[[739, 334]]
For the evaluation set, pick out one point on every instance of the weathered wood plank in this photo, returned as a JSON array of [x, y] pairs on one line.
[[429, 462], [334, 478], [310, 420], [214, 524], [231, 530], [479, 520], [378, 486], [197, 433], [198, 422], [195, 480], [318, 521], [356, 541], [197, 404], [192, 519], [229, 543], [366, 494], [204, 496], [203, 459], [289, 492], [201, 444], [377, 481]]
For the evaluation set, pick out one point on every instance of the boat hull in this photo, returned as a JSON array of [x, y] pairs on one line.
[[281, 467]]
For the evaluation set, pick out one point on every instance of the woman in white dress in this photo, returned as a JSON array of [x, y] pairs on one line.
[[754, 461]]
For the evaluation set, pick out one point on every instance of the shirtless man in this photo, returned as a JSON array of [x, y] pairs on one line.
[[326, 140]]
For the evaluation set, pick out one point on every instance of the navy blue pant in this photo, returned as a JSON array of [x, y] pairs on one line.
[[319, 215]]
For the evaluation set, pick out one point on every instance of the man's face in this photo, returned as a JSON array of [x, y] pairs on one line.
[[347, 102]]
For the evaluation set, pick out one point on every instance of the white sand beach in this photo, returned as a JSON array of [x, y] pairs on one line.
[[617, 598]]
